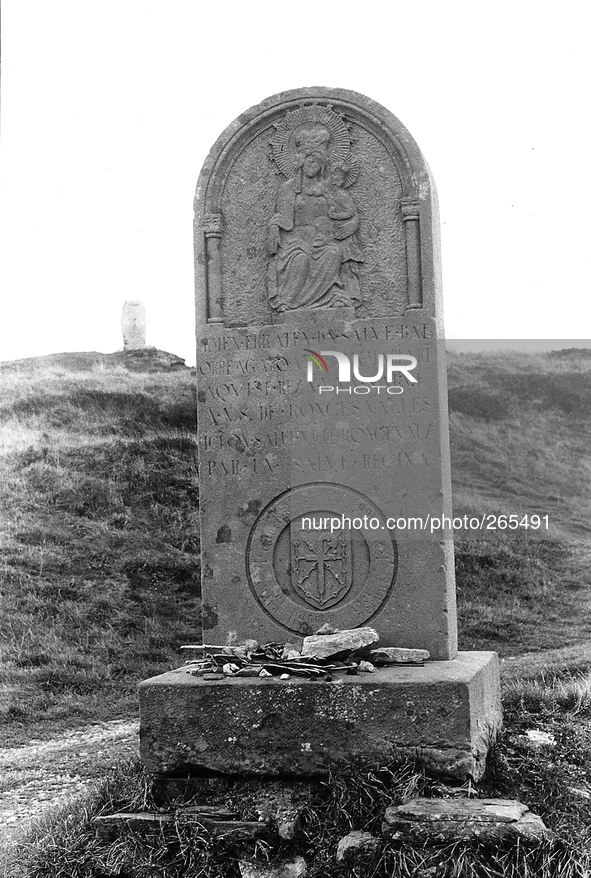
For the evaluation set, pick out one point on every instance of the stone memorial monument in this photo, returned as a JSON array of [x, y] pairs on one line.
[[133, 324], [323, 433]]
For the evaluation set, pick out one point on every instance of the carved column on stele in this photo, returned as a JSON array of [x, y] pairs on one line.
[[411, 216], [212, 230]]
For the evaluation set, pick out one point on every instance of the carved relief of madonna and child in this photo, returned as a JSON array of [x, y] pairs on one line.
[[314, 250]]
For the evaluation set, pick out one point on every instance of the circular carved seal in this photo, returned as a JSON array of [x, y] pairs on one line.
[[305, 569]]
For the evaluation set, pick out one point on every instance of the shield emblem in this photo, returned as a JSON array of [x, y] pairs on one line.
[[321, 565]]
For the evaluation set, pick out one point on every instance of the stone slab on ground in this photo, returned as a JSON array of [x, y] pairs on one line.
[[435, 820], [444, 714], [110, 825]]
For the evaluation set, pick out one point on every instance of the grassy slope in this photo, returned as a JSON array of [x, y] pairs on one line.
[[99, 539], [520, 427]]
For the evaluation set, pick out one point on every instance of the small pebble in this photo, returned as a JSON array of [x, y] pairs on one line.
[[539, 738], [328, 629]]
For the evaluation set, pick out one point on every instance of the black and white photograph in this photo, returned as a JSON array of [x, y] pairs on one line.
[[295, 406]]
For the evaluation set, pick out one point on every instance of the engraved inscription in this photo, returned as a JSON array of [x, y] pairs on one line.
[[300, 338]]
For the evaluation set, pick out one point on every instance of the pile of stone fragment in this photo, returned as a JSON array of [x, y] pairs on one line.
[[322, 655]]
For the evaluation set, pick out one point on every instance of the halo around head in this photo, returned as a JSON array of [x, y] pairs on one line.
[[309, 129]]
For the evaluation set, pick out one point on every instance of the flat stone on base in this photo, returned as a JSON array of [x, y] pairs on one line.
[[444, 714]]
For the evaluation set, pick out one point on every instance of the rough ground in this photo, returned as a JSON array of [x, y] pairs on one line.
[[43, 774]]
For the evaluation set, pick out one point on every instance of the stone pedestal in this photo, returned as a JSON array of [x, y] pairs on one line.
[[445, 714]]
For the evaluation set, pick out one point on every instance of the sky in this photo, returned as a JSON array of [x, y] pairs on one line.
[[109, 109]]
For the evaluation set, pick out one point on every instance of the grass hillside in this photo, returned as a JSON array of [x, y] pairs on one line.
[[99, 538], [99, 531], [520, 429], [520, 436]]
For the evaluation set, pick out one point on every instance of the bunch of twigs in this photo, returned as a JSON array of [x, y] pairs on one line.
[[271, 660]]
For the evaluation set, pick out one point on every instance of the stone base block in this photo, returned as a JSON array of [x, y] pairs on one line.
[[445, 714]]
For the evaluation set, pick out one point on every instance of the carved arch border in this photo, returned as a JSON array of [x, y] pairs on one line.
[[418, 203]]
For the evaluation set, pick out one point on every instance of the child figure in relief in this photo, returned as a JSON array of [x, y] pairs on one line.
[[343, 212]]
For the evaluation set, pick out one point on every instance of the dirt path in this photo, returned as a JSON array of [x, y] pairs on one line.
[[43, 774]]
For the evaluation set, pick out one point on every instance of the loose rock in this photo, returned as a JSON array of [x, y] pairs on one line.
[[350, 640], [110, 825], [327, 629], [356, 842], [436, 820], [283, 805], [538, 738]]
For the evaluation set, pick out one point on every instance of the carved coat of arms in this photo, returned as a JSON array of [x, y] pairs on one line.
[[321, 565]]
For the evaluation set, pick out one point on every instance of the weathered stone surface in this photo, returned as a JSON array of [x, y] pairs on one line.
[[356, 842], [444, 714], [283, 805], [434, 820], [392, 655], [133, 324], [326, 645], [293, 868], [284, 438]]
